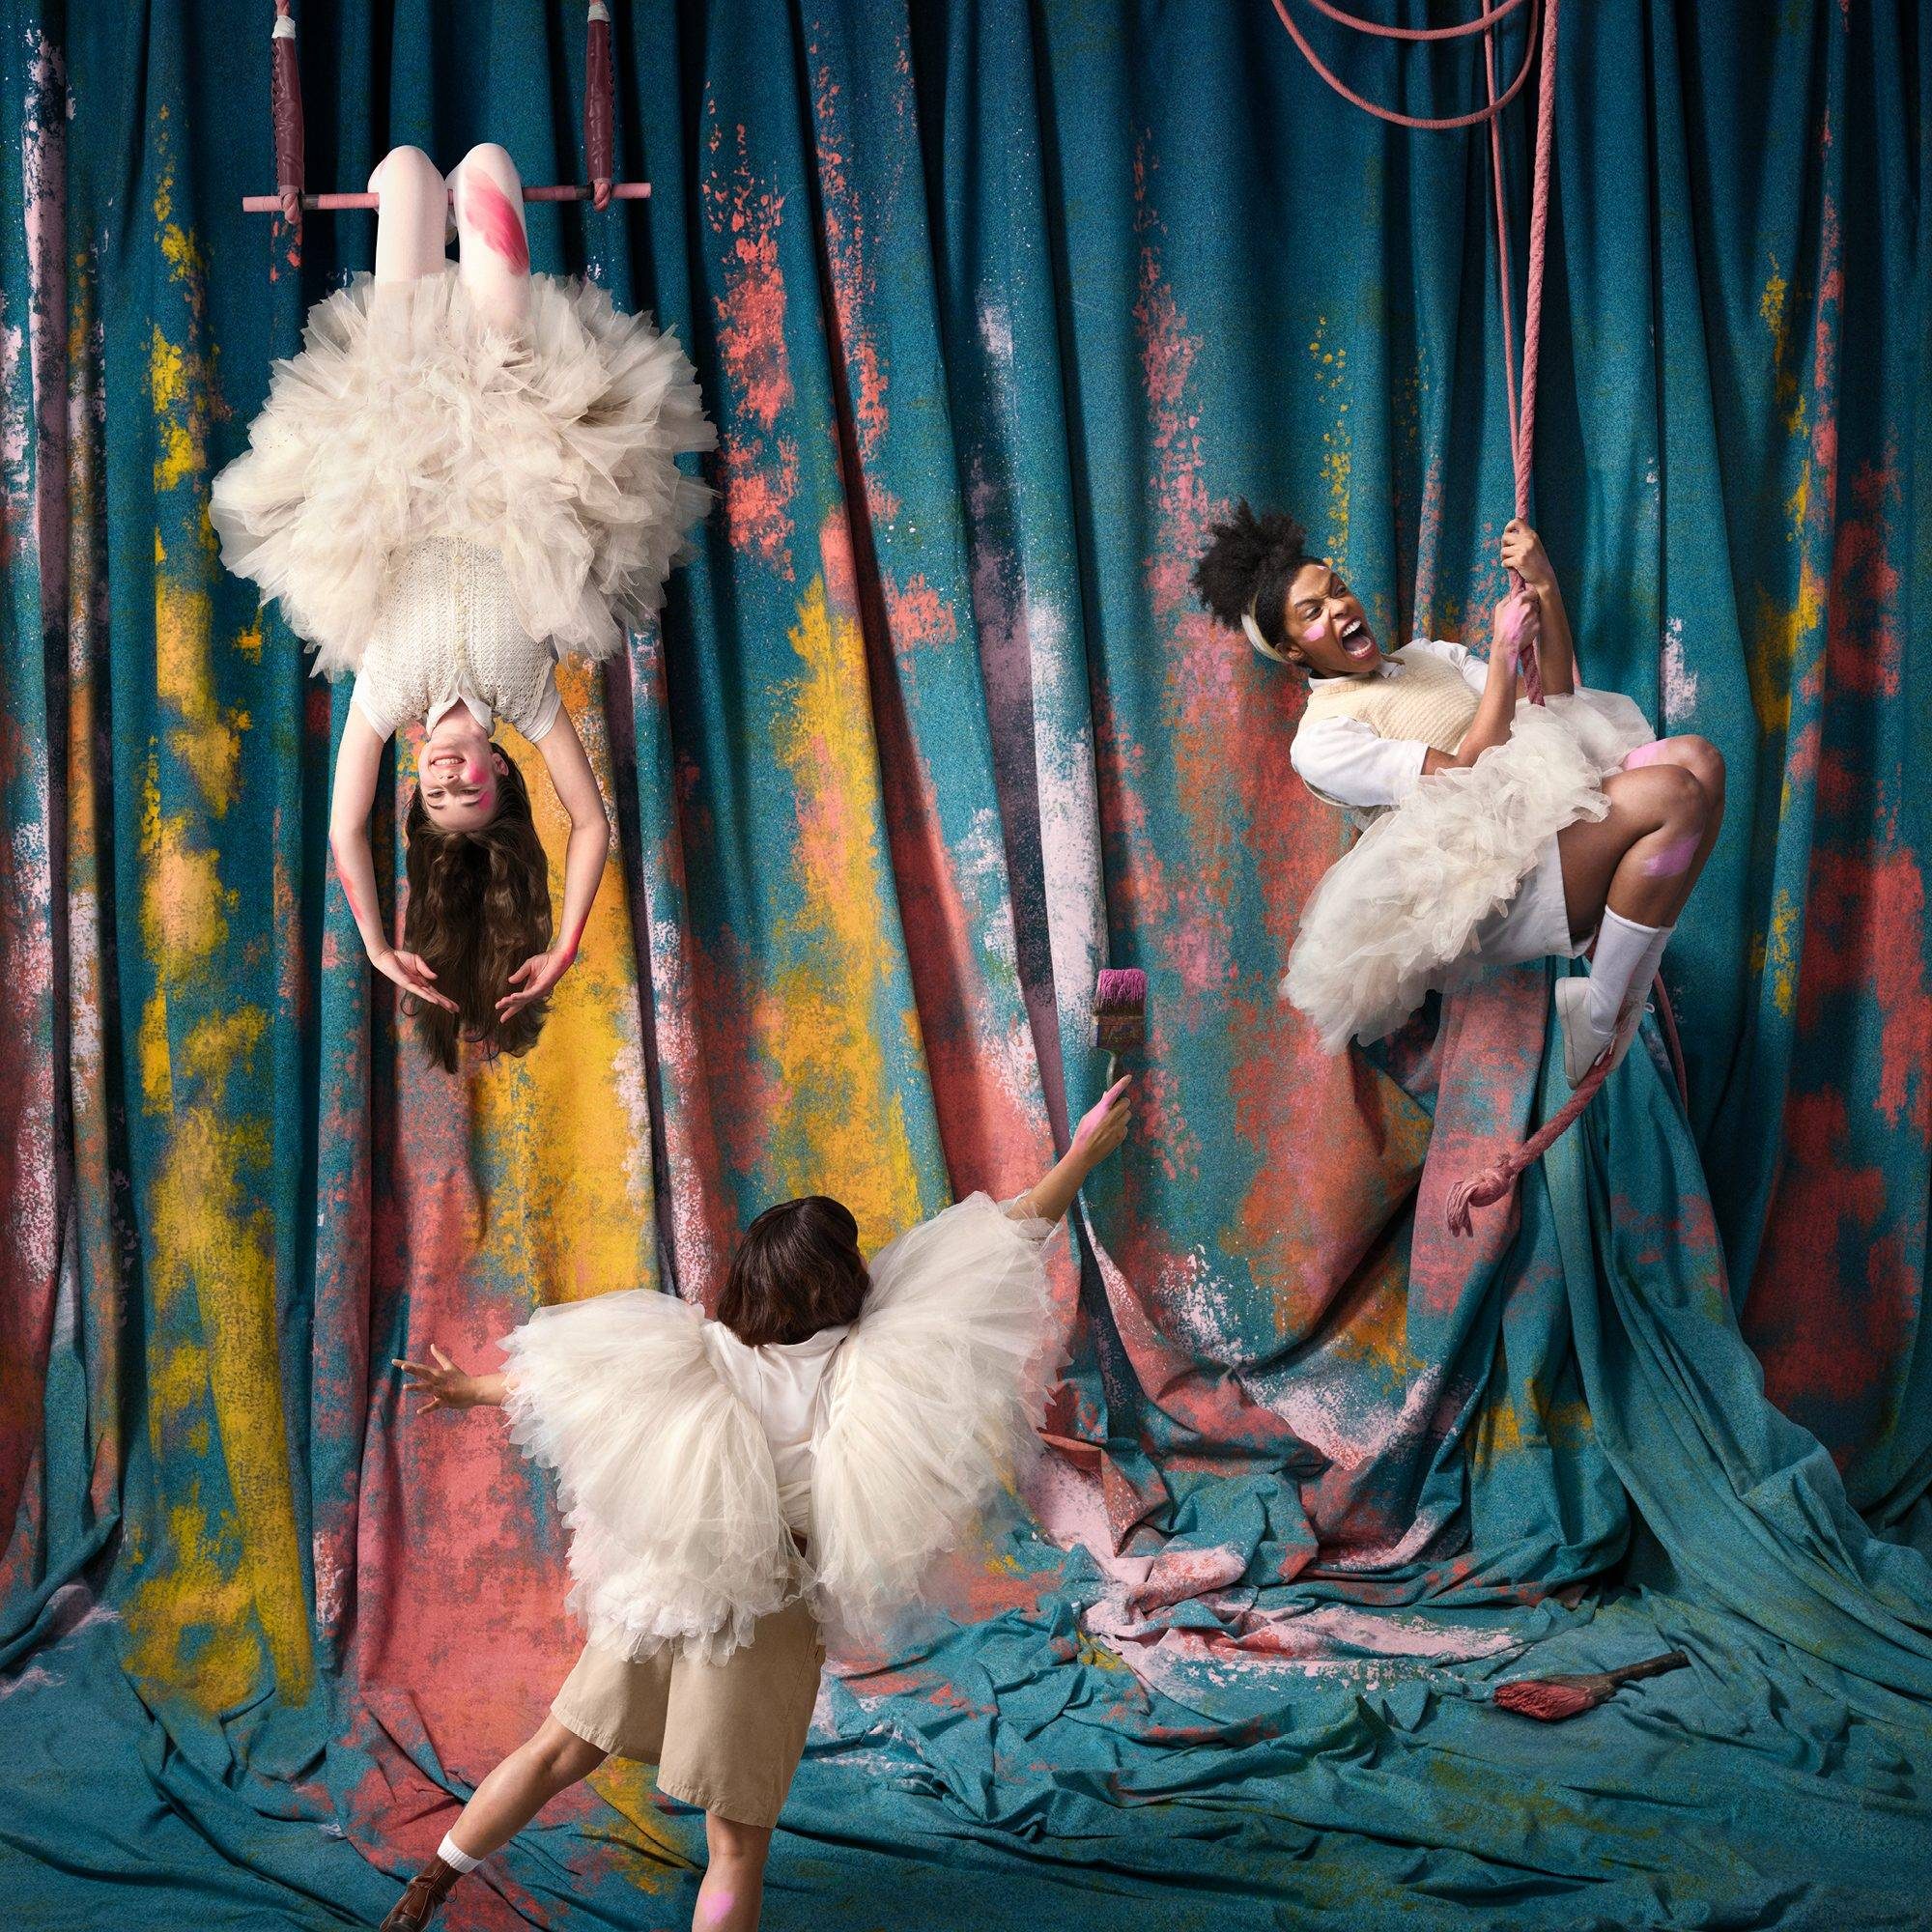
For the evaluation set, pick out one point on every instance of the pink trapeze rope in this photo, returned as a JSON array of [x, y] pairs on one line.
[[1494, 1182]]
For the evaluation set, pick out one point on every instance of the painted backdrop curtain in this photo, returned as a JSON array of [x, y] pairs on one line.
[[997, 307]]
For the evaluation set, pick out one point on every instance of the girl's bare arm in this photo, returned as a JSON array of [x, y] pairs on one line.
[[444, 1386], [583, 860], [358, 762], [1101, 1129]]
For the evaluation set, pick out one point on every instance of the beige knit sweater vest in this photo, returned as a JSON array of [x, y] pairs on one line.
[[1428, 701]]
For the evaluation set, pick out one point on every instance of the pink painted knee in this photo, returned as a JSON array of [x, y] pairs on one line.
[[1646, 754], [1674, 859]]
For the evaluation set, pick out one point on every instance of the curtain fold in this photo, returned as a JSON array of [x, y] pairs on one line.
[[998, 305]]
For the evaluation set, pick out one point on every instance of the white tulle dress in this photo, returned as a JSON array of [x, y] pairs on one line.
[[409, 415], [1461, 870], [928, 1409]]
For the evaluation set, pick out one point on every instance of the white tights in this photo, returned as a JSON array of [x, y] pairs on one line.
[[412, 226]]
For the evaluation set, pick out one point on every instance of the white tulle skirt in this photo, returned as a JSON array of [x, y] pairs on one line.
[[931, 1406], [408, 414], [1411, 906]]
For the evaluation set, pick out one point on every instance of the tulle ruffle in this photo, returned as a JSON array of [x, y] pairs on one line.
[[665, 1479], [933, 1408], [1397, 914], [407, 414]]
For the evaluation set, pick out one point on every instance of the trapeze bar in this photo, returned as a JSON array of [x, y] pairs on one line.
[[271, 204]]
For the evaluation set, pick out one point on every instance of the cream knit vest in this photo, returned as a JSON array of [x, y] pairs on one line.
[[446, 624], [1429, 700]]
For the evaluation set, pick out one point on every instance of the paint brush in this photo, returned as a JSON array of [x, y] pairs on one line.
[[1554, 1698], [1119, 1014]]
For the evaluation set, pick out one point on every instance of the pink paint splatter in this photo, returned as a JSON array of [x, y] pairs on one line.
[[1674, 859], [847, 255], [489, 211], [758, 463]]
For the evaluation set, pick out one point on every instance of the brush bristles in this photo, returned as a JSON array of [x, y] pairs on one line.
[[1119, 1009]]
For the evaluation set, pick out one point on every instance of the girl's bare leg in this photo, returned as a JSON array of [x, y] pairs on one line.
[[1626, 878], [1642, 860], [734, 1881], [493, 246], [1706, 764], [522, 1785], [413, 208]]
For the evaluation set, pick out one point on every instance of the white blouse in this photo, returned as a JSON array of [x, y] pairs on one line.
[[445, 635], [780, 1384]]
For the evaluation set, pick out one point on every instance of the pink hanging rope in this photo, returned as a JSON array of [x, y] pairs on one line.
[[1494, 1182], [1389, 114]]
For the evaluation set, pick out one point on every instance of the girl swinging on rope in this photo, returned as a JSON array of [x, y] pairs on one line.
[[1499, 830]]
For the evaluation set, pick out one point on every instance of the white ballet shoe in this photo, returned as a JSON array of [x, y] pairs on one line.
[[1581, 1043]]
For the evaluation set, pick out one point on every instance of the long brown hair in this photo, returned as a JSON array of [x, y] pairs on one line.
[[479, 906], [797, 1270]]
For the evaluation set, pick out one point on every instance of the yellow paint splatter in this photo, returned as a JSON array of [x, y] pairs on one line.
[[214, 1241], [208, 739], [1376, 1329], [1332, 372], [630, 1789], [1774, 953], [571, 1192], [191, 1625], [221, 1602], [1773, 653], [1503, 1429], [842, 1125]]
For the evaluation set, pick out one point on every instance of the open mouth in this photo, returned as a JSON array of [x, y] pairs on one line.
[[1357, 639]]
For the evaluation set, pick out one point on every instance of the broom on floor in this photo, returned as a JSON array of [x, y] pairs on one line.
[[1554, 1698]]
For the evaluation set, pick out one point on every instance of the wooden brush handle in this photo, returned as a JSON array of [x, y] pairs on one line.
[[1651, 1666]]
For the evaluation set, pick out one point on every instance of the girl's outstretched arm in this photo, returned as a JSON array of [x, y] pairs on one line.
[[1524, 553], [447, 1386], [359, 759], [1101, 1129], [582, 862]]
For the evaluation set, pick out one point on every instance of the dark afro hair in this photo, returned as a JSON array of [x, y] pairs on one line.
[[1248, 565]]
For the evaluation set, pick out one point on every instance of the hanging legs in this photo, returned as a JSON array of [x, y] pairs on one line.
[[495, 247], [411, 215]]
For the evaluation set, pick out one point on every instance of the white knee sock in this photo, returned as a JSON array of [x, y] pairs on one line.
[[456, 1861], [1623, 965]]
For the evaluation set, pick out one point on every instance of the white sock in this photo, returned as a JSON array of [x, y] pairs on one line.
[[456, 1861], [1625, 961]]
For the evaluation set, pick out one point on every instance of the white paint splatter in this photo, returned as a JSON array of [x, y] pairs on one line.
[[1680, 681]]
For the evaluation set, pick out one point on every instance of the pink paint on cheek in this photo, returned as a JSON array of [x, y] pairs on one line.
[[1313, 634], [1644, 754], [1675, 858], [497, 221]]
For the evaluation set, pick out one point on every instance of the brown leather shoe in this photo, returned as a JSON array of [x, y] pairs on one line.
[[430, 1887]]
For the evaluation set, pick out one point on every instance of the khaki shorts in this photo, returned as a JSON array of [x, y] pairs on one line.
[[726, 1737]]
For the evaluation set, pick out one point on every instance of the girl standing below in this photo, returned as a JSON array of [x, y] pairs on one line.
[[739, 1489], [466, 469], [1501, 830]]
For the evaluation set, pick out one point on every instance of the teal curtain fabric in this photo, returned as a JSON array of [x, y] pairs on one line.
[[998, 306]]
